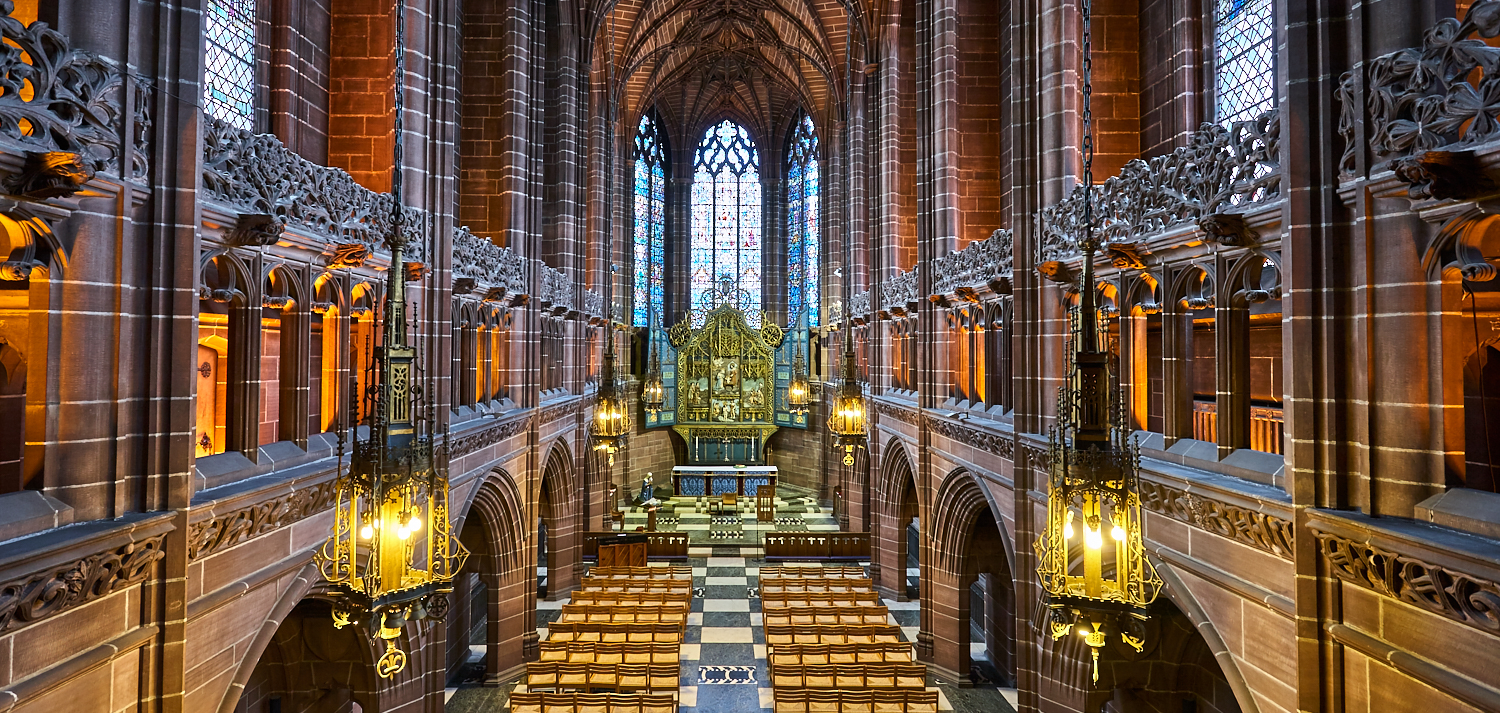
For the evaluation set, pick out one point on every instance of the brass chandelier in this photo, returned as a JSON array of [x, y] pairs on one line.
[[798, 391], [392, 556], [653, 391], [1092, 562]]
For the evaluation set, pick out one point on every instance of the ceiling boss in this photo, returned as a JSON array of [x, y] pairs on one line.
[[392, 556]]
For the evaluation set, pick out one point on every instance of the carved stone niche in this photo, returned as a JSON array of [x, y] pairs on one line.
[[1442, 175], [255, 229], [1227, 229], [463, 285], [50, 174], [347, 255]]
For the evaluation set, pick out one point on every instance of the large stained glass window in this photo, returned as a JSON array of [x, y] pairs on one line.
[[1244, 59], [650, 219], [803, 188], [229, 62], [726, 219]]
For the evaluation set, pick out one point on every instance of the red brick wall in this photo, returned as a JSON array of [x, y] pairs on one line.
[[979, 100], [361, 121], [1117, 85], [295, 37], [1170, 81]]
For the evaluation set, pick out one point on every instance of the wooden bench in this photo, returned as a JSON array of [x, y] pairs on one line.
[[817, 571], [600, 652], [811, 599], [627, 585], [670, 572], [675, 614], [850, 675], [597, 676], [782, 584], [591, 703], [813, 700], [613, 632], [598, 596], [659, 545], [839, 654], [779, 635], [852, 614], [835, 546]]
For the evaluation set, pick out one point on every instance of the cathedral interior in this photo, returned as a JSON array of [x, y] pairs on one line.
[[661, 356]]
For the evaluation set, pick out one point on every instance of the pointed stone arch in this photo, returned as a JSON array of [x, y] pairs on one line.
[[969, 545]]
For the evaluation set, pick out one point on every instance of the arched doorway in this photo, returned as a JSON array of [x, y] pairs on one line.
[[556, 526], [895, 557], [309, 666], [971, 587], [494, 599]]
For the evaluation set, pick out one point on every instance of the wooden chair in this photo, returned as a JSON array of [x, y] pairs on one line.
[[729, 500]]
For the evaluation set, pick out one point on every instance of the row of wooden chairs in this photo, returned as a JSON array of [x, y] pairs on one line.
[[795, 571], [607, 677], [851, 614], [599, 652], [868, 675], [833, 700], [646, 614], [670, 572], [821, 599], [813, 584], [591, 703], [832, 634], [616, 632], [598, 597], [626, 585], [800, 654]]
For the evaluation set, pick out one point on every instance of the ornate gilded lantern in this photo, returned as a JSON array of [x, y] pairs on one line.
[[1092, 562], [653, 392], [848, 420], [392, 556], [798, 391], [611, 416]]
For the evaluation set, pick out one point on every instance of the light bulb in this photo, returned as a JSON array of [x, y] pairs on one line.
[[367, 532], [1068, 529], [1118, 533], [405, 533], [1094, 538], [416, 524]]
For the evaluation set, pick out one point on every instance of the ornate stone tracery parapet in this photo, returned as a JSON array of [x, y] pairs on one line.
[[557, 412], [477, 258], [1466, 597], [29, 597], [981, 262], [54, 97], [904, 415], [556, 290], [216, 534], [255, 173], [489, 436], [1220, 169], [1262, 531], [992, 443], [1423, 98]]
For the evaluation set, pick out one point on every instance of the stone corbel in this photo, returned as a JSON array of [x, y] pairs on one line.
[[415, 271], [1227, 229], [17, 270], [348, 255], [50, 174], [495, 294], [255, 229], [1127, 255], [1442, 175], [463, 285], [1057, 271]]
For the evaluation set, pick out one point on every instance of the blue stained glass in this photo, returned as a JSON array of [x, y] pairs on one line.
[[650, 218], [803, 228], [229, 62], [726, 208], [1244, 59]]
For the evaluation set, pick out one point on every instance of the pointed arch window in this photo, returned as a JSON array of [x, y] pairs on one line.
[[726, 229], [803, 222], [229, 62], [650, 217], [1244, 59]]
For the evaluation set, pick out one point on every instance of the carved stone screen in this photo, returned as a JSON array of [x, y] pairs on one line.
[[1244, 59], [229, 62], [650, 218], [803, 191], [726, 384], [726, 225]]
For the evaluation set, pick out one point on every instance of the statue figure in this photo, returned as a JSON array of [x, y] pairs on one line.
[[647, 498]]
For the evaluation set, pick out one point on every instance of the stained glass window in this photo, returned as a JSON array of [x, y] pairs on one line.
[[726, 219], [1244, 59], [229, 62], [803, 188], [650, 219]]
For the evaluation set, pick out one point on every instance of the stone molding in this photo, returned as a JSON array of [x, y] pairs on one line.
[[489, 436], [477, 258], [1459, 596], [78, 101], [899, 413], [1419, 99], [557, 412], [995, 444], [255, 173], [220, 533], [1264, 532], [73, 583], [1220, 169]]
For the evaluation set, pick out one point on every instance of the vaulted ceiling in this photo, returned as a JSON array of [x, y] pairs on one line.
[[754, 60]]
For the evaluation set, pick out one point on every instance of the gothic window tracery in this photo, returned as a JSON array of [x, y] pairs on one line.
[[1244, 59], [726, 230], [229, 62], [803, 222], [650, 217]]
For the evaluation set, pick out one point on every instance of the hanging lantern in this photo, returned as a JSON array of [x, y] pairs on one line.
[[611, 418], [1092, 561], [798, 391], [653, 393], [847, 421]]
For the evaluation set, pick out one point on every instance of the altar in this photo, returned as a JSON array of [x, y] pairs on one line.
[[699, 480]]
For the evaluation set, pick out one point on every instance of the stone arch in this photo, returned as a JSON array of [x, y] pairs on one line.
[[494, 531], [894, 503], [301, 585], [1182, 597], [968, 545], [557, 512]]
